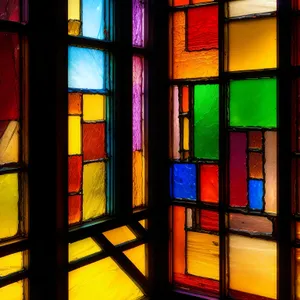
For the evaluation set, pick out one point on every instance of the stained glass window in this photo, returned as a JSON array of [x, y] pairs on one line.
[[224, 148], [13, 155]]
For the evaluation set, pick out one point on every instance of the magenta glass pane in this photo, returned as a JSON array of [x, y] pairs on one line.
[[137, 102], [10, 10], [138, 10]]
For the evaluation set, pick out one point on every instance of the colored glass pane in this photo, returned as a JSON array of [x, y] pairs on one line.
[[255, 165], [74, 135], [75, 102], [249, 7], [119, 235], [9, 76], [138, 12], [86, 68], [206, 121], [185, 99], [260, 263], [186, 134], [12, 291], [202, 28], [209, 183], [209, 220], [253, 103], [94, 190], [138, 179], [10, 10], [75, 173], [9, 198], [255, 140], [248, 43], [82, 248], [75, 208], [176, 128], [256, 191], [183, 184], [74, 9], [93, 107], [190, 64], [137, 257], [179, 240], [94, 141], [11, 264], [102, 280]]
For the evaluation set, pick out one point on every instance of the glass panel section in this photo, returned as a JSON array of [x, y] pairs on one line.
[[83, 248], [138, 15], [10, 10], [12, 291]]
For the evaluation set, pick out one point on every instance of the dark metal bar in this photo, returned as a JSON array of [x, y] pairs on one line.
[[93, 228], [138, 229], [14, 246], [284, 281], [123, 262], [158, 148], [222, 153], [123, 109], [13, 278], [91, 43], [10, 26], [48, 156]]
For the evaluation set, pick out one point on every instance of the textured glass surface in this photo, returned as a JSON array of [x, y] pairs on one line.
[[253, 103], [9, 198], [11, 264], [74, 135], [10, 10], [119, 235], [256, 190], [86, 68], [138, 31], [248, 7], [184, 181], [12, 291], [93, 107], [176, 127], [138, 257], [82, 249], [138, 179], [206, 126], [209, 183]]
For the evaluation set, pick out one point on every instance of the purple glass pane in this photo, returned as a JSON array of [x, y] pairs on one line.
[[10, 10], [138, 22], [137, 103]]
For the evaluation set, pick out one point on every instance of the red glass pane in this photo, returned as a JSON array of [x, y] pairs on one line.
[[180, 2], [202, 27], [209, 220], [75, 173], [93, 141], [209, 183], [10, 10], [255, 140], [9, 76], [75, 208], [185, 99]]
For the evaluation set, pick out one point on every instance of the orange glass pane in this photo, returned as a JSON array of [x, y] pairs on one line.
[[75, 204], [185, 99], [75, 103], [255, 140], [178, 240], [209, 183], [256, 165], [180, 2]]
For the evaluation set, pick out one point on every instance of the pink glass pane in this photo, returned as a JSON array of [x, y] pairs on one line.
[[138, 11], [10, 10]]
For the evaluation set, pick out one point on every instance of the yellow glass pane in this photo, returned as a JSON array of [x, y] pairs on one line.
[[247, 7], [143, 223], [74, 135], [138, 257], [298, 230], [9, 197], [93, 107], [186, 133], [13, 291], [119, 235], [192, 64], [271, 171], [252, 44], [94, 190], [11, 263], [82, 249], [203, 255], [253, 266], [74, 9], [9, 144], [102, 280], [138, 179]]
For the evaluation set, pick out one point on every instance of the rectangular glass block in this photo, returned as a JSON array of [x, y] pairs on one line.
[[195, 256], [191, 64], [9, 209], [185, 99], [238, 8], [94, 190], [186, 134], [75, 103], [87, 19], [209, 183], [13, 291], [75, 208], [138, 28], [83, 248], [253, 103], [209, 220], [206, 121], [10, 10], [183, 181], [103, 279], [94, 107], [74, 135], [297, 271], [175, 136], [86, 69], [138, 147], [10, 264], [250, 259], [248, 43]]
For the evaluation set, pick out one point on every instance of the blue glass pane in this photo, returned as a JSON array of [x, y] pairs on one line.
[[183, 181], [86, 68], [93, 19], [256, 192]]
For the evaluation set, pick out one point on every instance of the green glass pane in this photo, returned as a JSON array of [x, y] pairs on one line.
[[206, 124], [253, 103]]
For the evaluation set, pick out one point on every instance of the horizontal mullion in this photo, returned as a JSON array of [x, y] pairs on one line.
[[101, 255], [10, 26], [14, 246], [93, 228], [91, 43], [13, 278], [185, 7], [265, 15], [12, 168], [140, 51]]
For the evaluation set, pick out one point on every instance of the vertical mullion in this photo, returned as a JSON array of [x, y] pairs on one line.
[[48, 144], [158, 148], [123, 108], [284, 149], [222, 153]]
